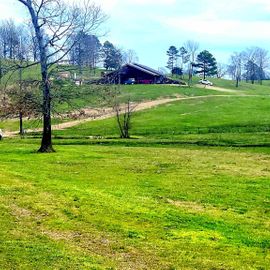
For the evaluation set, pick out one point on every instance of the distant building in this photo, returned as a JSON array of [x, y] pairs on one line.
[[136, 74], [64, 75]]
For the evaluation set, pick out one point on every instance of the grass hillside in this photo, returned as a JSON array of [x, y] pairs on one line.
[[243, 86], [72, 98], [220, 120], [190, 190]]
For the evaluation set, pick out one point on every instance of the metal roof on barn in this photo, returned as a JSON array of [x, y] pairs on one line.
[[145, 69]]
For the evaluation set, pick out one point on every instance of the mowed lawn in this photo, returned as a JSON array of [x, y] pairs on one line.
[[93, 97], [107, 207], [230, 120]]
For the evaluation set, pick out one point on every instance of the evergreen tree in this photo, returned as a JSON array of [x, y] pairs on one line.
[[172, 53], [184, 56], [206, 64], [177, 71], [253, 72], [112, 56]]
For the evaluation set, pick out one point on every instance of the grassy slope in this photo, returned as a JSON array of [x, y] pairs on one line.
[[248, 88], [216, 119], [149, 92], [155, 209], [88, 96]]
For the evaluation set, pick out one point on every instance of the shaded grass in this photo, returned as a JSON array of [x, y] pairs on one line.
[[14, 124]]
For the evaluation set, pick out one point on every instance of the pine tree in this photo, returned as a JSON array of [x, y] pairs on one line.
[[206, 64], [172, 53], [112, 56]]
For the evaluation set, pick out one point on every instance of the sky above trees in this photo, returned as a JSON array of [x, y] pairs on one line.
[[150, 27]]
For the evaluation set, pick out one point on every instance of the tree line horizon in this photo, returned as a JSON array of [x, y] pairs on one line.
[[250, 65]]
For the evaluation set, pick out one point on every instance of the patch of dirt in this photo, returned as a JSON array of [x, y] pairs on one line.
[[187, 205], [20, 212], [126, 256], [61, 235]]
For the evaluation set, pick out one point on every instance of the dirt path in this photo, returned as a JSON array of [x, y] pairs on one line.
[[95, 114], [220, 89]]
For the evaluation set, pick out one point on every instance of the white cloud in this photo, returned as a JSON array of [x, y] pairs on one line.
[[214, 28], [11, 10], [218, 25]]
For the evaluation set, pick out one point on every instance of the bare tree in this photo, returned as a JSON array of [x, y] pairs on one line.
[[123, 109], [130, 56], [262, 62], [192, 48], [21, 100], [123, 117], [221, 70], [54, 24], [235, 67]]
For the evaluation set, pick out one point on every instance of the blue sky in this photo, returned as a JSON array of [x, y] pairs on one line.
[[151, 26]]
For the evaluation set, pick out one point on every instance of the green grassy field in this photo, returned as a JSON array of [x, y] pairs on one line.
[[190, 190], [107, 207], [220, 120]]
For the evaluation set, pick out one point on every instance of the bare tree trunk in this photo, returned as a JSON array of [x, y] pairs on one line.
[[237, 82], [21, 123], [21, 114], [46, 143]]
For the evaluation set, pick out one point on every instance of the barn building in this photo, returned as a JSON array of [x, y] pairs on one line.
[[136, 74]]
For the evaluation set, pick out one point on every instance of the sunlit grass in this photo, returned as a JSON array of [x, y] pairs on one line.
[[92, 207]]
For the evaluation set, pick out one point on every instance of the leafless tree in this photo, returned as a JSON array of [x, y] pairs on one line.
[[21, 100], [192, 49], [54, 24], [123, 116], [130, 56], [221, 70], [123, 109], [235, 67], [262, 59], [9, 39]]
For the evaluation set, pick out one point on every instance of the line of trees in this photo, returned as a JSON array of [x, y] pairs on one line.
[[90, 52], [187, 60], [16, 41], [249, 65], [19, 42]]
